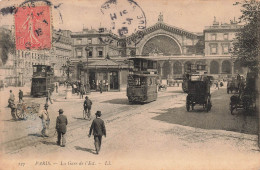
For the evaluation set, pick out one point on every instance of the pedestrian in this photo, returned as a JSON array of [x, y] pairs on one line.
[[13, 110], [106, 85], [217, 87], [44, 116], [11, 98], [100, 86], [61, 127], [48, 97], [56, 86], [20, 96], [82, 91], [99, 129], [87, 107]]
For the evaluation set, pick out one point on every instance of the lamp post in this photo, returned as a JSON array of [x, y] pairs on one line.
[[87, 81], [68, 91], [68, 69]]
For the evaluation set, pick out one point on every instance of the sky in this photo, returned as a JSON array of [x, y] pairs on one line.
[[190, 15]]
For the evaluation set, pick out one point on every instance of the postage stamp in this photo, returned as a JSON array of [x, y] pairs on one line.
[[33, 27], [126, 17]]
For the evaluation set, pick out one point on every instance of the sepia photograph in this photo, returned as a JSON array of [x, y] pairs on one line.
[[129, 84]]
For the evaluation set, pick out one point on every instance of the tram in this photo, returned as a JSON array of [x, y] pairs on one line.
[[42, 80], [142, 81]]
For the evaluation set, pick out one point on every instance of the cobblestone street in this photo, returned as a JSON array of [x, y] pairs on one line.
[[159, 131]]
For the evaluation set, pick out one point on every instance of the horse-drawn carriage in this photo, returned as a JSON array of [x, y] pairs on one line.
[[198, 90], [24, 111], [232, 85], [246, 98]]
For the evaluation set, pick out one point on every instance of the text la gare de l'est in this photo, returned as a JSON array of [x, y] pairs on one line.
[[70, 163]]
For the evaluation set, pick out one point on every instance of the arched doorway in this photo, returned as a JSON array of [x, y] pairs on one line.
[[177, 68], [161, 45], [166, 70], [214, 67], [226, 67]]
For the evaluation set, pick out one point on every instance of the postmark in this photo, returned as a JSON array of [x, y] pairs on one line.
[[33, 26], [125, 16]]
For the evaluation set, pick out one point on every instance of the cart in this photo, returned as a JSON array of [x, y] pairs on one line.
[[246, 98], [26, 111], [198, 92], [232, 85]]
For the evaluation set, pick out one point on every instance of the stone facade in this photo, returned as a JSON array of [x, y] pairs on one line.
[[174, 48]]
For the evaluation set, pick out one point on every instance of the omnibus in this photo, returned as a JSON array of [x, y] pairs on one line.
[[142, 81], [42, 80]]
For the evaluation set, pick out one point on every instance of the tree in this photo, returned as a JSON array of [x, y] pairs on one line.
[[7, 45], [246, 44]]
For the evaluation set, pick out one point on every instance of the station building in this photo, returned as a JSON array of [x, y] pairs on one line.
[[101, 56]]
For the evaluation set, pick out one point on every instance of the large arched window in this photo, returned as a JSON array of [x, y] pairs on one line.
[[161, 45]]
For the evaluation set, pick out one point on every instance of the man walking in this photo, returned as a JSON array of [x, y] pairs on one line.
[[44, 115], [61, 127], [11, 98], [20, 96], [87, 107], [99, 129], [48, 97], [100, 87]]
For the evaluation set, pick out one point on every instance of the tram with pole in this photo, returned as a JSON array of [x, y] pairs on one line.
[[142, 80], [42, 80]]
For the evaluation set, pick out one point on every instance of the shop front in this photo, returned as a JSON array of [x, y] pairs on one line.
[[108, 74]]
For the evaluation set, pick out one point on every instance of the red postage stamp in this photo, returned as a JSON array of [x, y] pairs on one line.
[[33, 28]]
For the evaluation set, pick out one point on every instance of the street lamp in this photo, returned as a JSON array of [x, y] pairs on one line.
[[68, 69], [87, 81], [68, 91]]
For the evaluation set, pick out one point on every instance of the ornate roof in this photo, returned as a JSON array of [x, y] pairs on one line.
[[166, 27]]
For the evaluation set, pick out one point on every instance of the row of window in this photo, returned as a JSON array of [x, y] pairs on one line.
[[79, 53], [215, 37], [214, 49], [79, 41]]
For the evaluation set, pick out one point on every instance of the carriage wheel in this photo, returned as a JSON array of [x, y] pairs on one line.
[[208, 104], [231, 109], [187, 103], [188, 107], [20, 113]]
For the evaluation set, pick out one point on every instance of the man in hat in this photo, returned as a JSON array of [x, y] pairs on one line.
[[87, 106], [99, 129], [11, 98], [20, 96], [44, 115], [61, 127], [48, 97]]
